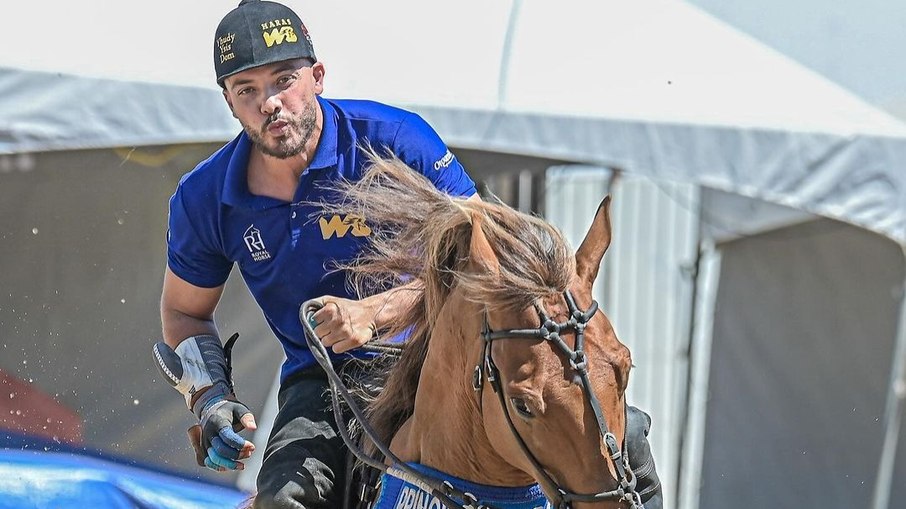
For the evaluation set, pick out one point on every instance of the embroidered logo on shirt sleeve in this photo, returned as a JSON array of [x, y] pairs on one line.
[[444, 161]]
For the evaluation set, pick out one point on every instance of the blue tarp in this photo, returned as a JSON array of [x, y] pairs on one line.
[[52, 480]]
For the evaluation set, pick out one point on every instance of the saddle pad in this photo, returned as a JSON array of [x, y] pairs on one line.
[[399, 494]]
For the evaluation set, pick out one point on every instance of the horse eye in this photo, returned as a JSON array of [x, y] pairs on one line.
[[521, 408]]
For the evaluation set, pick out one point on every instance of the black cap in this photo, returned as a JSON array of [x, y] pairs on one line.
[[258, 33]]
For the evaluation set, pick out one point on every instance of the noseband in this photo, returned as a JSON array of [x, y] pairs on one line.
[[550, 331]]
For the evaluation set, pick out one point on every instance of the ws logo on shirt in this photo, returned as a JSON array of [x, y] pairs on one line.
[[339, 227]]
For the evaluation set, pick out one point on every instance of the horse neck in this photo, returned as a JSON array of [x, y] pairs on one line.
[[447, 421]]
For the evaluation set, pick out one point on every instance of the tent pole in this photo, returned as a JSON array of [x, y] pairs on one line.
[[893, 410], [503, 78], [690, 468]]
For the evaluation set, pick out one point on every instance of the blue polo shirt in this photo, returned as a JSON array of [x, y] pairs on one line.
[[285, 255]]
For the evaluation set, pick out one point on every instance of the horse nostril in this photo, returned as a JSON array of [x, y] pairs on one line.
[[522, 408]]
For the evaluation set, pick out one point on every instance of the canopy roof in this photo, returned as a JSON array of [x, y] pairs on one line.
[[651, 87]]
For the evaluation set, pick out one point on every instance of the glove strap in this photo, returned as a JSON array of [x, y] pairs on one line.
[[228, 355], [199, 362], [218, 392]]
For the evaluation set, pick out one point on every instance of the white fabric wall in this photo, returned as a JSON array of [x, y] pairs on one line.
[[645, 286], [803, 334]]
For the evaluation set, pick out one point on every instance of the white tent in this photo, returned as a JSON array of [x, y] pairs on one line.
[[650, 88], [654, 88]]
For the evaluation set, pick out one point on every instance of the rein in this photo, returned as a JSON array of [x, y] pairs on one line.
[[550, 331], [441, 489]]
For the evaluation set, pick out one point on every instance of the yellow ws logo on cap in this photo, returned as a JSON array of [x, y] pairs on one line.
[[337, 226], [277, 31]]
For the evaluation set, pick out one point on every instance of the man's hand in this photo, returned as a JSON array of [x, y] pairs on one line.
[[217, 444], [199, 368], [344, 324]]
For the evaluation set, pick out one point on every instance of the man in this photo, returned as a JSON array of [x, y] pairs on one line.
[[248, 204]]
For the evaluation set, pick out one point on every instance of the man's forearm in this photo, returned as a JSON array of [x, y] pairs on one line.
[[393, 305], [178, 326]]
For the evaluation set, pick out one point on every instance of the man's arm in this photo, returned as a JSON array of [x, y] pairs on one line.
[[345, 324], [186, 310], [187, 313]]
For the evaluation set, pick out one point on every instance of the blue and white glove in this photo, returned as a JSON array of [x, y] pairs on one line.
[[199, 363]]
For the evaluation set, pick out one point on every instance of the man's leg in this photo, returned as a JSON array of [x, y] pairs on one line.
[[638, 423], [304, 462]]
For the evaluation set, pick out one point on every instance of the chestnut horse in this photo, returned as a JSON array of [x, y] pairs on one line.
[[511, 376]]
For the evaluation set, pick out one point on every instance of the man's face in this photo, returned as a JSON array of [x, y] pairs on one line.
[[276, 104]]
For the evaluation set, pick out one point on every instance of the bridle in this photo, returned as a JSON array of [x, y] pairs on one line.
[[445, 491], [550, 331]]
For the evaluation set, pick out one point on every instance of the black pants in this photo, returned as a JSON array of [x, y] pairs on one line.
[[638, 423], [305, 460]]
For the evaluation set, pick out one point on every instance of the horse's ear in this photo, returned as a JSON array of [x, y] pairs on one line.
[[597, 240], [481, 255]]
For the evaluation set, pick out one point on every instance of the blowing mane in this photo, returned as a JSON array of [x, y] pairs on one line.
[[421, 234]]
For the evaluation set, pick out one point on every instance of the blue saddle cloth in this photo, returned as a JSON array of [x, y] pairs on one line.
[[399, 494]]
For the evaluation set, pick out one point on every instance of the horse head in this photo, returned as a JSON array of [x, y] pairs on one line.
[[558, 375]]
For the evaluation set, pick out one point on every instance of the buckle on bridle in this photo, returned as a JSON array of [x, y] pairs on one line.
[[549, 328], [477, 377], [579, 361]]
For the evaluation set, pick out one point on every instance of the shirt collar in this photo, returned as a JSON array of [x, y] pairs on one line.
[[236, 189], [235, 185], [326, 152]]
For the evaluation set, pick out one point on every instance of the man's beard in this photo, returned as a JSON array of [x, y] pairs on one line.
[[287, 146]]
